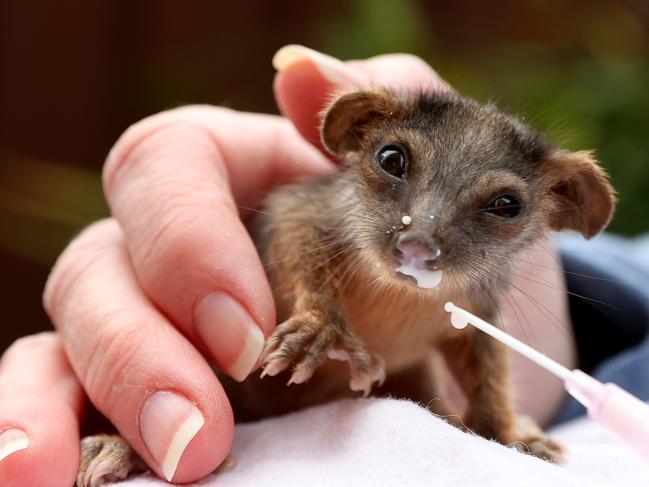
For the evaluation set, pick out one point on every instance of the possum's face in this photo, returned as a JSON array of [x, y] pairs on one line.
[[449, 189]]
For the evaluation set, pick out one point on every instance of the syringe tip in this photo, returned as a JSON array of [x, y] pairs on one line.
[[459, 319]]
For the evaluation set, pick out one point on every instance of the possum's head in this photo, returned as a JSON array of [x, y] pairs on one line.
[[449, 189]]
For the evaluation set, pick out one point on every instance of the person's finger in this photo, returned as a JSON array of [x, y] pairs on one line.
[[174, 183], [306, 79], [304, 82], [136, 368], [544, 324], [40, 406]]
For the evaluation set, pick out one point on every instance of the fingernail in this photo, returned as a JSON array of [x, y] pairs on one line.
[[231, 335], [168, 422], [333, 70], [11, 441]]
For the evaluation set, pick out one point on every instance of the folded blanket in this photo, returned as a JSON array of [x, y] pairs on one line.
[[394, 442]]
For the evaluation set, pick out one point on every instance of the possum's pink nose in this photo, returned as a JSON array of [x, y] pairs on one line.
[[417, 249]]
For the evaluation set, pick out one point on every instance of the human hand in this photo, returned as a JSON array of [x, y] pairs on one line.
[[141, 299]]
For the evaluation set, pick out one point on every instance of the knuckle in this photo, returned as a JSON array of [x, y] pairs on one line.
[[406, 60], [111, 363], [80, 254], [37, 344], [195, 118], [167, 240], [416, 67], [414, 60], [177, 234], [127, 142]]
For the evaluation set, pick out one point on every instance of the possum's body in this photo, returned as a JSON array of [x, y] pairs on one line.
[[433, 182], [393, 322]]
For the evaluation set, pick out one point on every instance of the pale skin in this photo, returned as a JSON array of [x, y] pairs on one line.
[[178, 184]]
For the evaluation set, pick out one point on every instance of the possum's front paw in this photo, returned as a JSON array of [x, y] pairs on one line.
[[307, 339], [106, 458]]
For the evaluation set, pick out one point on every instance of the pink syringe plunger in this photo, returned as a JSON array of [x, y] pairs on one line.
[[610, 405], [613, 407]]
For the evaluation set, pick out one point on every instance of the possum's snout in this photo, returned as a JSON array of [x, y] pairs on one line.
[[417, 249], [417, 256]]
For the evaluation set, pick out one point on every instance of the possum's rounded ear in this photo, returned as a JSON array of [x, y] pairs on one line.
[[581, 197], [345, 120]]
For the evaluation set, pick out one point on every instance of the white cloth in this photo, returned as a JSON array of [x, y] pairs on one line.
[[393, 442]]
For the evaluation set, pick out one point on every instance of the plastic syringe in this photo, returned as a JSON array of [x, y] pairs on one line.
[[608, 404]]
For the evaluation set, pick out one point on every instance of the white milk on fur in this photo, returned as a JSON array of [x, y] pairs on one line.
[[426, 279]]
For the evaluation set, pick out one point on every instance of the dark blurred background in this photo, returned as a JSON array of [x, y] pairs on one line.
[[75, 73]]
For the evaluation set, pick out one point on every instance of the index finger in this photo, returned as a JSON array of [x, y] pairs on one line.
[[306, 79], [176, 182]]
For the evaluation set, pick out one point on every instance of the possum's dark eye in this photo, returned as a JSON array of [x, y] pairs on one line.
[[393, 161], [505, 206]]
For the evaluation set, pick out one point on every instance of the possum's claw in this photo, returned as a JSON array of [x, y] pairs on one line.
[[274, 367], [306, 342], [106, 458], [531, 439], [302, 341], [364, 380], [370, 372]]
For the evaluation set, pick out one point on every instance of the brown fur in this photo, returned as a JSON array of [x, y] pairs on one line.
[[328, 249], [324, 240]]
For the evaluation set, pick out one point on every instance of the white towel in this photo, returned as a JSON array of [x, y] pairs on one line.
[[393, 442]]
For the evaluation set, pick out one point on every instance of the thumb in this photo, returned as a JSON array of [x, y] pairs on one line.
[[306, 79]]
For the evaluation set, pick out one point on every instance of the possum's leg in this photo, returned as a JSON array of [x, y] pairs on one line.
[[530, 438], [308, 276], [106, 458], [481, 367], [420, 383]]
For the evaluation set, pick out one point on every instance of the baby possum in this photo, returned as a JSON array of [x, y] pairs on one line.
[[436, 196]]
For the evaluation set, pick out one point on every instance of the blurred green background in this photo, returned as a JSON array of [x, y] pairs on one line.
[[75, 74]]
